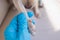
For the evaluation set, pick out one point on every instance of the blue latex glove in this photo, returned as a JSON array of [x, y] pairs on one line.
[[31, 14], [18, 28]]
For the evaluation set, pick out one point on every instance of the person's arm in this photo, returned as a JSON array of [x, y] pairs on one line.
[[3, 9]]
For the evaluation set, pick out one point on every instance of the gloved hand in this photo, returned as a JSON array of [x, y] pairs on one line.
[[18, 28]]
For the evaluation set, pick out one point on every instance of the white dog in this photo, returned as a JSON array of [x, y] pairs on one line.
[[21, 6]]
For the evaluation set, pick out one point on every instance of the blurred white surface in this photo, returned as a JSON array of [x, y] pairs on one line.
[[52, 8], [45, 30], [48, 26]]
